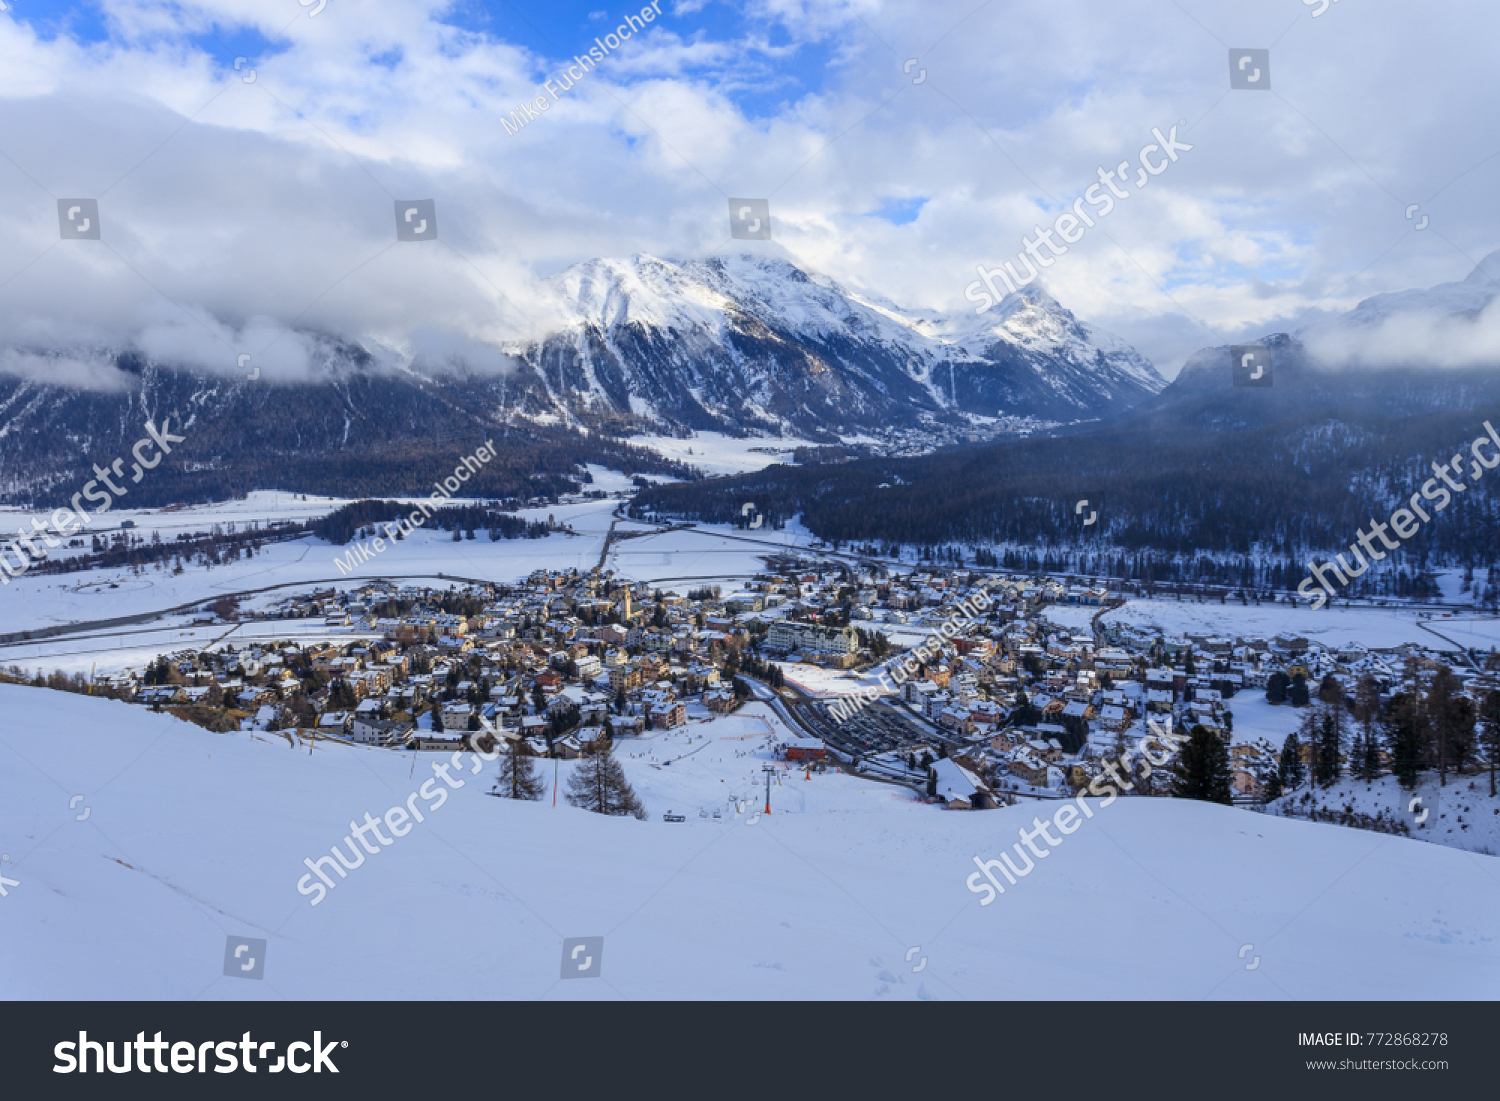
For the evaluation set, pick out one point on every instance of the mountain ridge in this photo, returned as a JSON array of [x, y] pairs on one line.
[[738, 345]]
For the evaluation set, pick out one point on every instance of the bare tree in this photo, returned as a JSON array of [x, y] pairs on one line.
[[598, 783], [518, 778], [1366, 754]]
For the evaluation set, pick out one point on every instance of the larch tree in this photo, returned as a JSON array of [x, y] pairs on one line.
[[598, 783], [1366, 755], [518, 777], [1489, 715]]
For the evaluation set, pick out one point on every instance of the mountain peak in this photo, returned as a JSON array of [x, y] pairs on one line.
[[752, 340], [1486, 272]]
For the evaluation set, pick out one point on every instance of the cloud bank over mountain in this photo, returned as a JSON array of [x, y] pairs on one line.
[[243, 208]]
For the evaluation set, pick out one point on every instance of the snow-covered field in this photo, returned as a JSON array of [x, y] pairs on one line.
[[815, 680], [1256, 718], [1332, 627], [1077, 618], [715, 453], [120, 648], [679, 560], [848, 890], [705, 555], [262, 507], [35, 600], [721, 554]]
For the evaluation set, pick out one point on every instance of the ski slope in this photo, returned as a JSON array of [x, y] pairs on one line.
[[850, 890]]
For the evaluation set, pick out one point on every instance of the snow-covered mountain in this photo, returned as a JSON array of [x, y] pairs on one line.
[[751, 342], [1465, 299], [1395, 339], [734, 344], [1448, 325]]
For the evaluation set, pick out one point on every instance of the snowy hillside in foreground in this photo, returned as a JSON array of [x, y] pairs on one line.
[[193, 837]]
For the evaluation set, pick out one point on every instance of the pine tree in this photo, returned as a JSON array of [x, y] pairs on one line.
[[341, 696], [1404, 736], [1326, 769], [1276, 687], [1330, 690], [437, 719], [1202, 768], [598, 783], [1271, 787], [1289, 768], [518, 777]]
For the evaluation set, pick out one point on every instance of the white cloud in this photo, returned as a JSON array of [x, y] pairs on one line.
[[241, 209]]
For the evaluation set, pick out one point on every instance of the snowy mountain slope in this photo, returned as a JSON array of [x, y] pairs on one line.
[[1450, 325], [848, 890], [734, 345], [1467, 297], [744, 341]]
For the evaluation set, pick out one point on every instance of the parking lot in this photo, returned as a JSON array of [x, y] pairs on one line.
[[878, 728]]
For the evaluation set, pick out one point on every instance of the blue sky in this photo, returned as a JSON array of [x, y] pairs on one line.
[[785, 71], [790, 68]]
